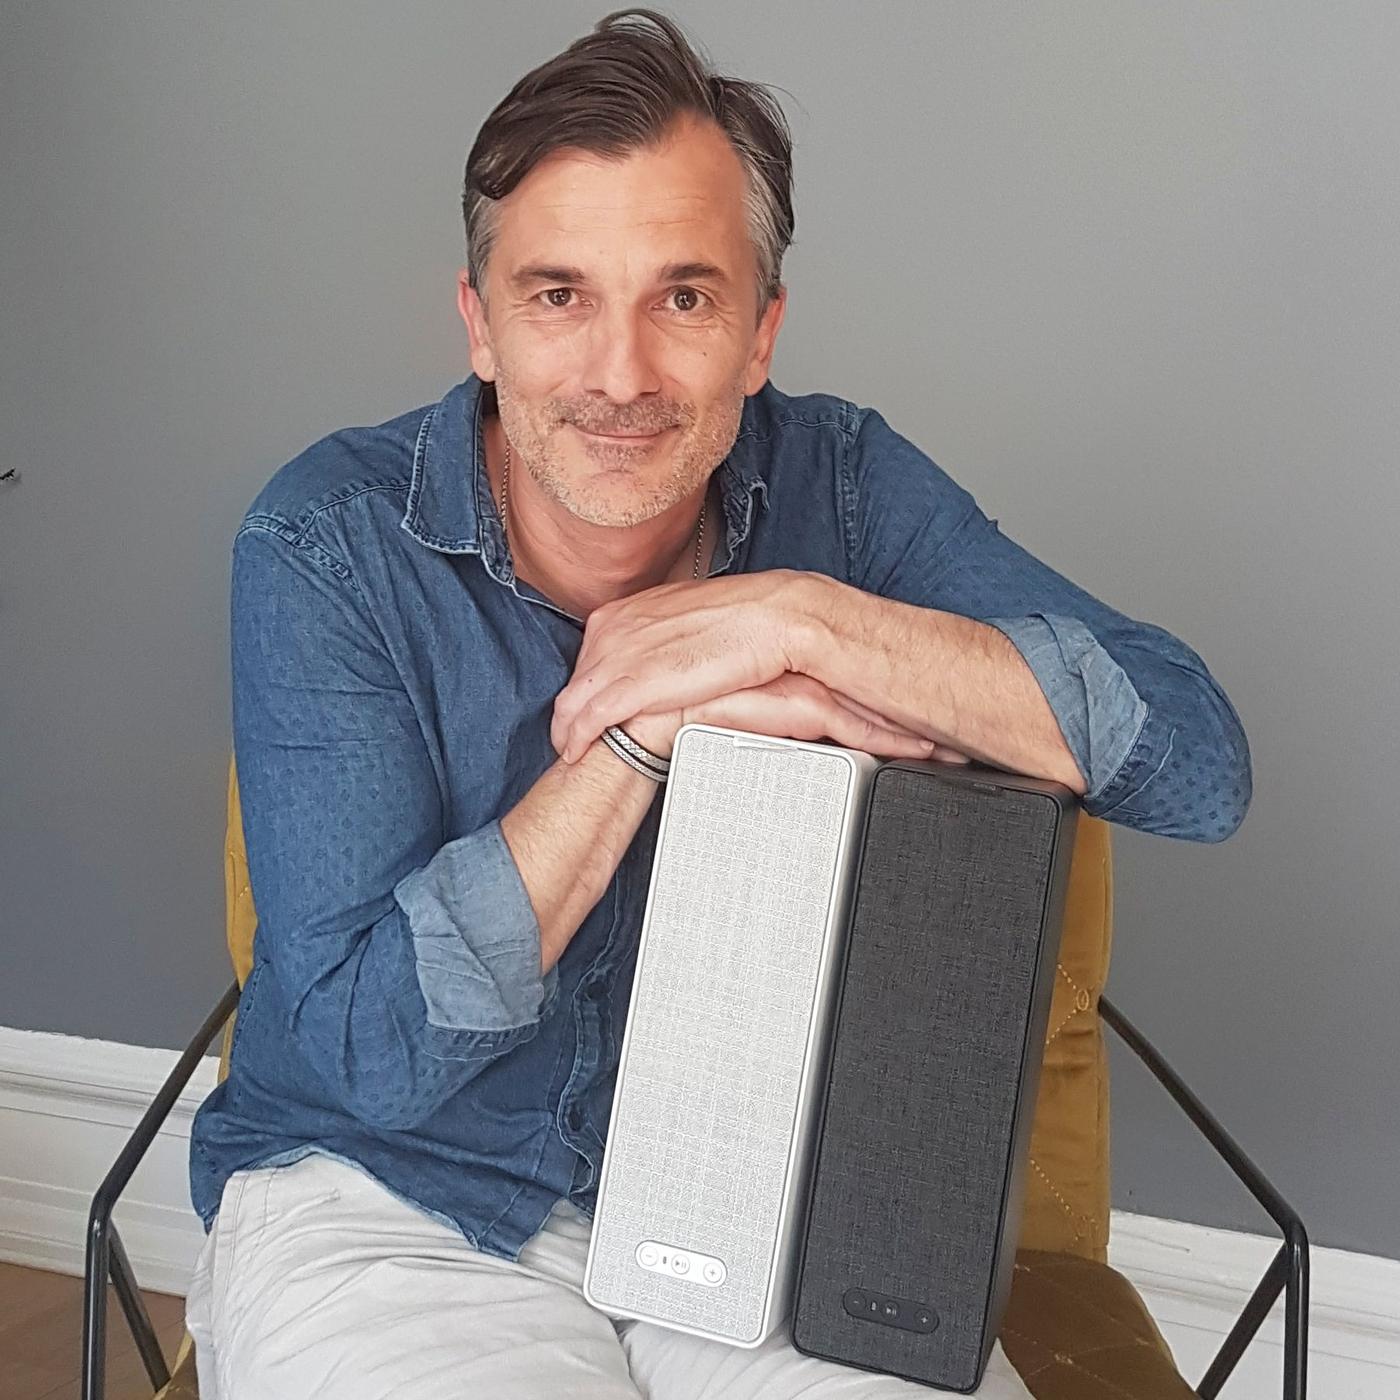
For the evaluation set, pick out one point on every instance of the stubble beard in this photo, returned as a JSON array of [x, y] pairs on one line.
[[537, 435]]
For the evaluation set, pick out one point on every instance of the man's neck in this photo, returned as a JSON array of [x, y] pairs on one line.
[[580, 566]]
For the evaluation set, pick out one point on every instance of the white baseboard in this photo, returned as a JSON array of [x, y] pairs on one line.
[[68, 1104], [1195, 1281]]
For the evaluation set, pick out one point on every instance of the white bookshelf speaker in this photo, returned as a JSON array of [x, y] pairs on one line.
[[723, 1061]]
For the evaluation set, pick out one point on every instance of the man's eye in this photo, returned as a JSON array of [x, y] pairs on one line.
[[687, 299], [682, 299]]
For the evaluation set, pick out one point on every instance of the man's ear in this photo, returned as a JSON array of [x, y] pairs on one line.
[[764, 343], [473, 311]]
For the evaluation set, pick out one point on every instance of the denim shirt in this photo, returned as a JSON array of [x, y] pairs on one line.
[[393, 683]]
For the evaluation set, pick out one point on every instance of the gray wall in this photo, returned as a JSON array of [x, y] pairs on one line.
[[1128, 271]]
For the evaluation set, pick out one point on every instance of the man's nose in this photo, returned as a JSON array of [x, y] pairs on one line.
[[621, 356]]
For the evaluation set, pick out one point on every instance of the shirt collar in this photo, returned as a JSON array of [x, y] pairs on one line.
[[449, 498]]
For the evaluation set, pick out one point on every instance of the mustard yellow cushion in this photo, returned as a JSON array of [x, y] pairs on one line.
[[240, 918], [1067, 1201], [184, 1379], [1076, 1330]]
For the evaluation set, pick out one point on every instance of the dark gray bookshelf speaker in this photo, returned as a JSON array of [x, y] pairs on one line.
[[917, 1184], [723, 1063]]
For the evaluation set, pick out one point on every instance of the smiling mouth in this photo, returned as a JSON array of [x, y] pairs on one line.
[[621, 437]]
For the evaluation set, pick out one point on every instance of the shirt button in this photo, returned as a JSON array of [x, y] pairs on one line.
[[574, 1118]]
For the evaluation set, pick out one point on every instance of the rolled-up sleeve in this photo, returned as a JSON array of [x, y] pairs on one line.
[[1093, 699], [1159, 744], [408, 961], [475, 973]]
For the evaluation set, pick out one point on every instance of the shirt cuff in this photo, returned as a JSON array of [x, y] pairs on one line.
[[476, 940], [1096, 705]]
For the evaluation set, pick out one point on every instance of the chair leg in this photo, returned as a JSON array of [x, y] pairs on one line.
[[94, 1376], [1288, 1272], [139, 1320], [1246, 1325], [106, 1259]]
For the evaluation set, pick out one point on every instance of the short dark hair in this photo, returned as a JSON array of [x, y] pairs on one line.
[[617, 90]]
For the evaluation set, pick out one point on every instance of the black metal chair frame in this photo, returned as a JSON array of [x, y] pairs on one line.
[[1286, 1274]]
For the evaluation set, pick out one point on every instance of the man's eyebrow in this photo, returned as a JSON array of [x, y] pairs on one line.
[[558, 275], [694, 272], [547, 272]]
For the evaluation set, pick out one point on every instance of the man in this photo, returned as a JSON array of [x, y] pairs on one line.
[[455, 633]]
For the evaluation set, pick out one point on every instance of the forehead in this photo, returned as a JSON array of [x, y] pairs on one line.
[[671, 200]]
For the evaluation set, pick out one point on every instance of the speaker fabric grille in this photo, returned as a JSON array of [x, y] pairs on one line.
[[941, 977], [703, 1126]]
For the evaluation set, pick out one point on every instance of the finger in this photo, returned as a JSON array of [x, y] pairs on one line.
[[877, 731], [872, 736], [686, 620], [677, 679], [648, 619], [594, 709], [796, 707], [874, 716], [944, 753], [882, 739]]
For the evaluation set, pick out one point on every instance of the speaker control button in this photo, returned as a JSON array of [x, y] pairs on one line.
[[902, 1313], [683, 1265]]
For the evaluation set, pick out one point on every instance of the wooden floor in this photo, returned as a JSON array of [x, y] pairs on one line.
[[41, 1319]]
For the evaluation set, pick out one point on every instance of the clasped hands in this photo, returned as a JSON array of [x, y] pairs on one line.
[[744, 651]]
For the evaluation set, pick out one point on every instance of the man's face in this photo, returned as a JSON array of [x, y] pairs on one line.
[[620, 322]]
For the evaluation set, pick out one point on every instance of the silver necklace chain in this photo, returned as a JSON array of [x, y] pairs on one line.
[[505, 531]]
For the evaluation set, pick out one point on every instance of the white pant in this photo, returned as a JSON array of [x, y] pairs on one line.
[[317, 1281]]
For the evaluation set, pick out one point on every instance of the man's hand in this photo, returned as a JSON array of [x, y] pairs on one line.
[[677, 646], [790, 707], [934, 674]]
